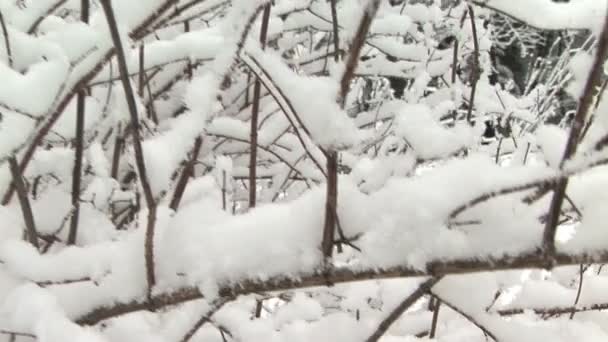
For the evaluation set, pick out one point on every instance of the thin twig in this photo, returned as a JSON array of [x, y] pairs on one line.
[[137, 144], [255, 111], [59, 105], [435, 318], [476, 67], [187, 173], [79, 146], [26, 208], [470, 318], [15, 333], [7, 43], [400, 309], [580, 289], [215, 307], [49, 11], [77, 170]]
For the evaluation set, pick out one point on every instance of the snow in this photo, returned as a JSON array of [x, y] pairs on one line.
[[580, 65], [552, 142], [416, 189], [422, 131], [315, 103]]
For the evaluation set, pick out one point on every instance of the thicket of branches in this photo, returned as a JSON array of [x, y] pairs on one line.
[[176, 170]]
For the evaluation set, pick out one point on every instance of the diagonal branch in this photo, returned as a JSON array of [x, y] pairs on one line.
[[7, 43], [49, 11], [585, 103], [187, 172], [401, 308], [470, 318], [206, 318], [26, 208], [57, 110], [283, 102]]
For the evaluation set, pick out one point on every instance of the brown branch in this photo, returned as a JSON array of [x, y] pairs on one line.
[[331, 205], [594, 80], [64, 282], [79, 145], [77, 170], [141, 30], [525, 185], [224, 195], [150, 105], [454, 63], [85, 9], [259, 305], [468, 317], [554, 311], [435, 318], [48, 12], [118, 141], [331, 200], [26, 208], [142, 72], [284, 103], [15, 333], [7, 43], [53, 116], [355, 50], [137, 144], [186, 174], [189, 68], [580, 289], [525, 260], [215, 307], [336, 31], [46, 125], [179, 10], [255, 111], [476, 67], [401, 308]]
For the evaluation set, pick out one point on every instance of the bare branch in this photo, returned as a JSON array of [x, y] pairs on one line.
[[26, 208], [187, 173], [475, 68], [49, 11], [594, 80], [77, 171], [137, 144], [470, 318], [331, 200], [525, 260], [7, 43], [401, 308], [255, 111], [215, 307]]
